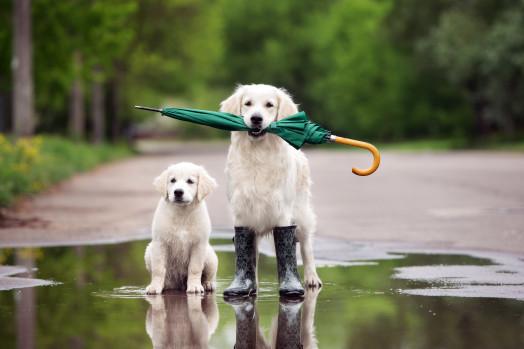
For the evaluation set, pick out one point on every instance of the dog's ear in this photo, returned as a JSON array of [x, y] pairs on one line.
[[286, 106], [206, 184], [160, 183], [232, 103]]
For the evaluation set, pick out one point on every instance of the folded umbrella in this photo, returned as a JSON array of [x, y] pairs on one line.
[[295, 129]]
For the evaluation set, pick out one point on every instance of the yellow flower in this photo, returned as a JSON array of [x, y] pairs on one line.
[[21, 168], [28, 149], [36, 186], [5, 145]]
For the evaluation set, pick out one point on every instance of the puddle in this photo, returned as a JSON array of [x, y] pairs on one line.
[[381, 297]]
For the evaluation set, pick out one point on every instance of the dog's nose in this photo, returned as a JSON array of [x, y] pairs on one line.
[[179, 193], [256, 119]]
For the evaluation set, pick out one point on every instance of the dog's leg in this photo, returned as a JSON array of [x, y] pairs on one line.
[[244, 282], [210, 307], [210, 270], [309, 339], [196, 266], [156, 321], [306, 224], [157, 259], [311, 278], [285, 248], [198, 321]]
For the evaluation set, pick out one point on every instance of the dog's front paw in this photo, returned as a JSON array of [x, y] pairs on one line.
[[311, 279], [195, 288], [209, 286], [154, 289]]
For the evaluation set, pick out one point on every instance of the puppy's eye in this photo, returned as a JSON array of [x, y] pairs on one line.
[[247, 104], [173, 180], [269, 105], [190, 181]]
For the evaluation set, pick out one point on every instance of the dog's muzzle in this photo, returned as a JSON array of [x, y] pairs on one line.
[[256, 132]]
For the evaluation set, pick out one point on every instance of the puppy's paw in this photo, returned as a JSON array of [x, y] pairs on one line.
[[156, 302], [195, 288], [154, 289], [311, 279], [209, 286]]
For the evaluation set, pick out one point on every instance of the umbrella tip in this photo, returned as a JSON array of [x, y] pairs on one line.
[[147, 108]]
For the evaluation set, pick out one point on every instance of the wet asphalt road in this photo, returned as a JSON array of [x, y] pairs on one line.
[[462, 200]]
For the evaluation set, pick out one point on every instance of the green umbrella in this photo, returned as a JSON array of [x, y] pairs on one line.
[[295, 129]]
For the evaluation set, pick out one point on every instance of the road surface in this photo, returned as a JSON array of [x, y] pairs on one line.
[[458, 200]]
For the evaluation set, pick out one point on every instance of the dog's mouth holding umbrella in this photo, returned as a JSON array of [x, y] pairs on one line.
[[256, 132], [295, 129]]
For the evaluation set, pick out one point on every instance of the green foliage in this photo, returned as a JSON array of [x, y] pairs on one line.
[[477, 48], [29, 165], [377, 69]]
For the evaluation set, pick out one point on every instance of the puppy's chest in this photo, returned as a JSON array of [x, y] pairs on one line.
[[180, 237]]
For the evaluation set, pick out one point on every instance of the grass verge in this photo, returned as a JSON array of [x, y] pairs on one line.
[[29, 165]]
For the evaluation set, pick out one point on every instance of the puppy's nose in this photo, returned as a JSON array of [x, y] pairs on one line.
[[256, 119], [179, 193]]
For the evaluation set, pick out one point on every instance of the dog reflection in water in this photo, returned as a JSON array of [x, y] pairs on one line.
[[293, 328], [175, 320]]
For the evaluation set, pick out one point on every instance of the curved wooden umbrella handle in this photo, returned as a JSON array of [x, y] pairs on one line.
[[364, 145]]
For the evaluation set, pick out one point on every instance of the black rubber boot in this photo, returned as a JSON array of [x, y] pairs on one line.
[[245, 280], [285, 247], [246, 321], [288, 333]]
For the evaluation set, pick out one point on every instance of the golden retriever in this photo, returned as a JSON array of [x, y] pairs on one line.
[[179, 255]]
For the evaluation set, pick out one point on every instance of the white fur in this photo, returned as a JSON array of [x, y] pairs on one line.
[[179, 255], [268, 181], [181, 322]]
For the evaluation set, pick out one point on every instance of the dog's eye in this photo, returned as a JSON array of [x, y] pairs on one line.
[[247, 104], [190, 181], [173, 180], [269, 105]]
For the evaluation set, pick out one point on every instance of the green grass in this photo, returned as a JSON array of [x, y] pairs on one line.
[[30, 165]]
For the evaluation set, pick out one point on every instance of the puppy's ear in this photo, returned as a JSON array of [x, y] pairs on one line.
[[232, 103], [286, 106], [206, 184], [160, 183]]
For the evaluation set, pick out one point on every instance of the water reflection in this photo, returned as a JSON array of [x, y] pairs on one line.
[[25, 304], [100, 303], [178, 321], [293, 328]]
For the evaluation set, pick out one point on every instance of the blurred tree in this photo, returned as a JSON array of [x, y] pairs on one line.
[[71, 40], [388, 69], [361, 81], [22, 65], [77, 108], [271, 42], [477, 47], [6, 25]]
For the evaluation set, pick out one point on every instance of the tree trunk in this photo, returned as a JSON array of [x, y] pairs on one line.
[[97, 107], [23, 122], [114, 108], [76, 103]]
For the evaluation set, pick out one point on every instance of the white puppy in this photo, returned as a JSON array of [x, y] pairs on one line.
[[268, 180], [179, 255]]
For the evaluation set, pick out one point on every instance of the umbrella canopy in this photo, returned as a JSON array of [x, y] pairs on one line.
[[295, 129]]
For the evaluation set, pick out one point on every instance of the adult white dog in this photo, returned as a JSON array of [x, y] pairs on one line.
[[179, 255], [269, 191]]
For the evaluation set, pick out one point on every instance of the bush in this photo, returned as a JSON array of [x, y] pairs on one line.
[[29, 165]]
